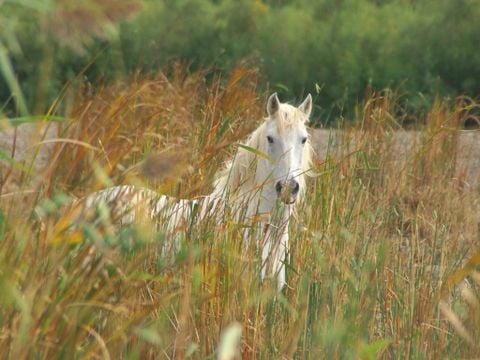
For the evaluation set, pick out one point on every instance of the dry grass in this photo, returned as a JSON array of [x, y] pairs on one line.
[[379, 253]]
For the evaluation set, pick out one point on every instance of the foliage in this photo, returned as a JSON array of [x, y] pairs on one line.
[[376, 255], [45, 43], [424, 48]]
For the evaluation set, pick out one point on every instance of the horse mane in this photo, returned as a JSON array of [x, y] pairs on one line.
[[238, 175], [239, 172]]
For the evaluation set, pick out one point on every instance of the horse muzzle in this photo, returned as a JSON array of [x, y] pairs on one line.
[[287, 191]]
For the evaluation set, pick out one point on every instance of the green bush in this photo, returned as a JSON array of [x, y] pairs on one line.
[[423, 48]]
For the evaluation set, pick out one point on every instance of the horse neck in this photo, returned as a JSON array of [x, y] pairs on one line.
[[268, 209]]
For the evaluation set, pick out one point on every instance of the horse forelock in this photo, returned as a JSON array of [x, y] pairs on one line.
[[288, 117]]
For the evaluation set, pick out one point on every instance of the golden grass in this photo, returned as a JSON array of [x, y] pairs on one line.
[[379, 253]]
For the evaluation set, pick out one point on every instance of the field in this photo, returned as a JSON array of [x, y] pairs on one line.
[[384, 255]]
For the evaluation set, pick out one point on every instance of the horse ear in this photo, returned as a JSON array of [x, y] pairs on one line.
[[273, 104], [306, 106]]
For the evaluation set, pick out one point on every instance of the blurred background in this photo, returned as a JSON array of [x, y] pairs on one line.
[[338, 50]]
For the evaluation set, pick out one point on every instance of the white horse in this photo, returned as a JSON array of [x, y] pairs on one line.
[[261, 184]]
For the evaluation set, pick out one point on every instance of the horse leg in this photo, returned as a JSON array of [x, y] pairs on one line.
[[274, 250], [266, 247], [279, 261]]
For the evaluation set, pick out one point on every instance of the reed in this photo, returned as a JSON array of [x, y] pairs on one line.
[[380, 248]]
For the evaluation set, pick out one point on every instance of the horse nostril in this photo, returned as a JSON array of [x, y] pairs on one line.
[[278, 187], [295, 188]]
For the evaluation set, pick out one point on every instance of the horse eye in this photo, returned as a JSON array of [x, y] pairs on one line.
[[270, 139], [304, 140]]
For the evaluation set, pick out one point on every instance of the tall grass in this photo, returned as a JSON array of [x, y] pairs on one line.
[[378, 248]]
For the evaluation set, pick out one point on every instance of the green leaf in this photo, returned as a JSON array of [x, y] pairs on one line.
[[372, 350], [281, 86], [37, 5], [34, 119], [196, 278], [149, 335], [2, 225], [6, 69], [191, 348], [8, 159], [256, 152]]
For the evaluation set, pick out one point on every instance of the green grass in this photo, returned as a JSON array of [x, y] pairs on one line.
[[377, 245]]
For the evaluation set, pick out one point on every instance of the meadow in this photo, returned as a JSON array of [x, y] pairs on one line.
[[384, 253]]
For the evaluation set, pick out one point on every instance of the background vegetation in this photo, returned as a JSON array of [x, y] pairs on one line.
[[423, 48]]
